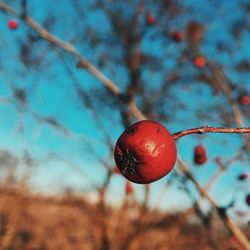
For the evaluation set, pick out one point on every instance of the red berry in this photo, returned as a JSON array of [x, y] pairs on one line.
[[150, 19], [177, 36], [145, 152], [244, 99], [129, 189], [248, 199], [243, 176], [200, 155], [200, 62], [200, 149], [13, 24]]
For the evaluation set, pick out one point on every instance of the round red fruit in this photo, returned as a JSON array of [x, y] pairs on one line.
[[145, 152], [13, 24], [150, 19], [244, 99], [199, 150], [200, 62], [200, 155]]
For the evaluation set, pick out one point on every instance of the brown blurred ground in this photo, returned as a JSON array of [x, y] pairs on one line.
[[33, 222]]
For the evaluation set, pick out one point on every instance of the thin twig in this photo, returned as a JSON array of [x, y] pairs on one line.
[[209, 129]]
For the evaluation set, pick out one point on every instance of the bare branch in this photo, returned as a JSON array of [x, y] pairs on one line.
[[209, 129]]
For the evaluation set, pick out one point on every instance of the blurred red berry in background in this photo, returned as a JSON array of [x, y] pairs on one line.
[[200, 62], [244, 99], [150, 19], [13, 24], [200, 155]]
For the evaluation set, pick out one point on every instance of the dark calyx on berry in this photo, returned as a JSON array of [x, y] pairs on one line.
[[128, 161]]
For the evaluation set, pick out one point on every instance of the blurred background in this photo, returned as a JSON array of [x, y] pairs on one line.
[[185, 64]]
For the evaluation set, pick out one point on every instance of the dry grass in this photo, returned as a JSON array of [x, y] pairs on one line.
[[29, 222]]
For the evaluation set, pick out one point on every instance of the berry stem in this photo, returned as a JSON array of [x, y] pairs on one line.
[[209, 129]]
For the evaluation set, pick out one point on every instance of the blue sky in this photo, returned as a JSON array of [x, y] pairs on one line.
[[50, 93]]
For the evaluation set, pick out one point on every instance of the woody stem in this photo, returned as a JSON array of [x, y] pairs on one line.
[[209, 129]]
